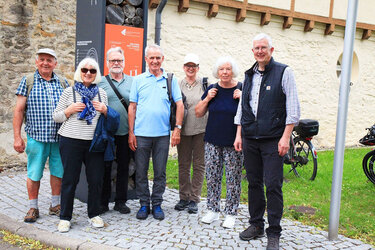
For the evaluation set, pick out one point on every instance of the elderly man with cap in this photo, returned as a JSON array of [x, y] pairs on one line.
[[191, 148], [37, 97]]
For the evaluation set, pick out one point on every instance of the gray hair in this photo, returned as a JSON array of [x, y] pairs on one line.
[[263, 36], [155, 47], [88, 61], [115, 49], [223, 60]]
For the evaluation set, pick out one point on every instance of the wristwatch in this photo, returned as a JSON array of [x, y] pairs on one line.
[[178, 126]]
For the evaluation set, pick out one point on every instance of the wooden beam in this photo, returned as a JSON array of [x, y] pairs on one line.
[[183, 5], [292, 5], [288, 21], [285, 13], [241, 15], [366, 34], [309, 25], [213, 10], [331, 8], [330, 28], [265, 19], [152, 4]]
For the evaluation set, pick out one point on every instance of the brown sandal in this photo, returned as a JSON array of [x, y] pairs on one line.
[[32, 215]]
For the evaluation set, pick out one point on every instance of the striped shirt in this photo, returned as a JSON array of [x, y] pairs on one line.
[[72, 127], [289, 87], [40, 104]]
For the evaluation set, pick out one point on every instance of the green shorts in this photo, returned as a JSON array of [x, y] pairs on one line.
[[37, 154]]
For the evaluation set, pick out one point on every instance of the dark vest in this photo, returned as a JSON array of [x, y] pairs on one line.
[[271, 115]]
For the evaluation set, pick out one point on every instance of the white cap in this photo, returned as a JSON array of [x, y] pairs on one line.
[[191, 58], [47, 51]]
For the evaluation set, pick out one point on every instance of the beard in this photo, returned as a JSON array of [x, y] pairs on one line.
[[116, 70]]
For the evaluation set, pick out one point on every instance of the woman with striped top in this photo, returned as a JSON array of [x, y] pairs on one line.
[[79, 109]]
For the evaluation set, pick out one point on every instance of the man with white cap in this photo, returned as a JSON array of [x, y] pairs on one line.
[[191, 148], [37, 97]]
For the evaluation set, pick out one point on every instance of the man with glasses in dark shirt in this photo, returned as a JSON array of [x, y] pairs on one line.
[[122, 82]]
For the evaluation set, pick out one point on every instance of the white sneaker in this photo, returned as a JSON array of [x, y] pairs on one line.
[[210, 217], [97, 222], [64, 226], [229, 221]]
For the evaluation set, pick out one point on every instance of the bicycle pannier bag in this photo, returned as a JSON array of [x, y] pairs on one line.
[[369, 139], [307, 127]]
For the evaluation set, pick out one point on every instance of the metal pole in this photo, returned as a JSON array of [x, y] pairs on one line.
[[341, 120]]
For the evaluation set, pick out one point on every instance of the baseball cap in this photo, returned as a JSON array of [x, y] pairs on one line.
[[191, 58], [47, 51]]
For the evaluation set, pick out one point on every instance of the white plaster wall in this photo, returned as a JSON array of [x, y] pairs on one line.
[[316, 7], [366, 10], [312, 56], [340, 9], [365, 14], [281, 4]]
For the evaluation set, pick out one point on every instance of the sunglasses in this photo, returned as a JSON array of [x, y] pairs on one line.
[[85, 70]]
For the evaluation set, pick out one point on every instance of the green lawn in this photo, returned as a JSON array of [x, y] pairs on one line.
[[357, 219]]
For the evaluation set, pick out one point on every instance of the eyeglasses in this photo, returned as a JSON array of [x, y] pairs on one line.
[[191, 66], [85, 70], [116, 61], [263, 48]]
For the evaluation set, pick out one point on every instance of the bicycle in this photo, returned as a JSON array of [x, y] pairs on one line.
[[369, 158], [302, 155]]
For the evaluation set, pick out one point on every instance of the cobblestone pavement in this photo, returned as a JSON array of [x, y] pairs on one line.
[[179, 230]]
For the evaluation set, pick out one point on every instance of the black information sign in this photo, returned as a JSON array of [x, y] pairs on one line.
[[90, 30]]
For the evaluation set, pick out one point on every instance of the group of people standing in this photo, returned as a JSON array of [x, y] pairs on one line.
[[228, 125]]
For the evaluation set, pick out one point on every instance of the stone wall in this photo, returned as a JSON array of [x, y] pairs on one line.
[[26, 25]]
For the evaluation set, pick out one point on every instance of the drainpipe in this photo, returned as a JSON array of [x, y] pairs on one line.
[[145, 25], [158, 21]]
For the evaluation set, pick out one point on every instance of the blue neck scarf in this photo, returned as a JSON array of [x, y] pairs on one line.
[[88, 95]]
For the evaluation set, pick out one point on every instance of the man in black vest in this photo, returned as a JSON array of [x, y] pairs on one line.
[[266, 115]]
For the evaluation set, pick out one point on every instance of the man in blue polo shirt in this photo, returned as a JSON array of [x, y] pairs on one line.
[[149, 129], [38, 95]]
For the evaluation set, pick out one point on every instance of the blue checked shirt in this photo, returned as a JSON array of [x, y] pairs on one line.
[[40, 104]]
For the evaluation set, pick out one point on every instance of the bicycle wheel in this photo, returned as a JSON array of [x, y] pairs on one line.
[[305, 165], [368, 165]]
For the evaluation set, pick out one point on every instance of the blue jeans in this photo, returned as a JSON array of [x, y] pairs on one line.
[[74, 152], [264, 166], [159, 147]]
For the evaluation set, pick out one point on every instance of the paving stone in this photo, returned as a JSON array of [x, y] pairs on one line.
[[179, 230]]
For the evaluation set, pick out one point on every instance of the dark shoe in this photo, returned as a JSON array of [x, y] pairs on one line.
[[272, 243], [31, 215], [143, 213], [157, 212], [103, 209], [55, 210], [252, 232], [192, 207], [122, 208], [181, 205]]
